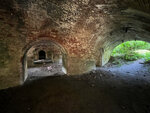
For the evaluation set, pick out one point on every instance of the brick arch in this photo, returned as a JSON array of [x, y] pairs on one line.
[[44, 40], [107, 47], [34, 43]]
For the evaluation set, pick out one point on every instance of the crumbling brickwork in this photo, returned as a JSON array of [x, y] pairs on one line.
[[87, 30]]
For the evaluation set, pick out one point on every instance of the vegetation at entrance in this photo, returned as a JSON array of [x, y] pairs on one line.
[[132, 50]]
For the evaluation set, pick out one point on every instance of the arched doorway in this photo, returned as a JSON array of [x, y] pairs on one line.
[[42, 55], [46, 55], [130, 58], [132, 50]]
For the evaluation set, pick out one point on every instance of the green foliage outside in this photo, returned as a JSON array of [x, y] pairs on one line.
[[129, 50]]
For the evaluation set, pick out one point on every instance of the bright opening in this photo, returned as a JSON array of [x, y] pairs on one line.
[[132, 50], [131, 58]]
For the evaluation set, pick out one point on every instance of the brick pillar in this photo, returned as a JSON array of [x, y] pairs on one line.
[[77, 66]]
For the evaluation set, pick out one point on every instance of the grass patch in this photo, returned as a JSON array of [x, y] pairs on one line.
[[132, 50]]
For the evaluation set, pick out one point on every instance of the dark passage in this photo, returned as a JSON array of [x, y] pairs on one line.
[[42, 55]]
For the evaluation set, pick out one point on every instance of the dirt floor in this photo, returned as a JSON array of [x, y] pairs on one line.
[[130, 69], [102, 91], [45, 70]]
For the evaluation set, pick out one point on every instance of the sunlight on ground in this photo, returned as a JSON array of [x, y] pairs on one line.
[[142, 51]]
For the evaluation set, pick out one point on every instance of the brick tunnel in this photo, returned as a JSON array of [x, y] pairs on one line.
[[38, 44], [88, 31], [85, 30]]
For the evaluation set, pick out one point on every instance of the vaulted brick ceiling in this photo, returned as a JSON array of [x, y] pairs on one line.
[[87, 30], [76, 24]]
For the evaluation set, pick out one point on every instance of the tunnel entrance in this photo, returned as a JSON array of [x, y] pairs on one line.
[[131, 58], [131, 51], [42, 55], [43, 59]]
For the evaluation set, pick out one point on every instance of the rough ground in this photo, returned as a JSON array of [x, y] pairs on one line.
[[44, 70], [100, 91], [129, 69]]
